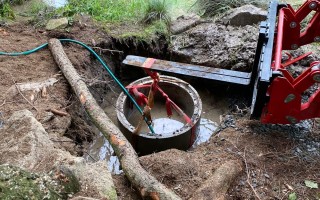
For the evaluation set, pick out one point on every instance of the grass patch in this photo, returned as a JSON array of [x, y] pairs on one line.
[[156, 10], [107, 10], [143, 19]]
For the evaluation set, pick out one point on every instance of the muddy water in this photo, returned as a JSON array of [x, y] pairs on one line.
[[160, 122], [100, 149], [214, 105]]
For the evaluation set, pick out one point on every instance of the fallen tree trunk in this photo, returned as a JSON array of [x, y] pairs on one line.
[[216, 187], [147, 185]]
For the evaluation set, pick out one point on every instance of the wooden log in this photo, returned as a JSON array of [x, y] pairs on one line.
[[146, 184], [216, 187]]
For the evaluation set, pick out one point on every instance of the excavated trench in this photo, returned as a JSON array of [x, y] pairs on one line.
[[217, 100]]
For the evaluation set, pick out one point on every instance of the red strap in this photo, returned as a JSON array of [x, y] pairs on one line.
[[140, 97], [147, 66]]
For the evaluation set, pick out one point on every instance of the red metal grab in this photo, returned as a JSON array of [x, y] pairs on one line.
[[285, 104]]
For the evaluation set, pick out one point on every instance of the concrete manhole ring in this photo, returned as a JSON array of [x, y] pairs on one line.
[[184, 95]]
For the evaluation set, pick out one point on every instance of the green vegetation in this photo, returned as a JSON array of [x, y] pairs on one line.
[[145, 33], [144, 18], [218, 7], [106, 10], [6, 11], [16, 183], [37, 7], [156, 10]]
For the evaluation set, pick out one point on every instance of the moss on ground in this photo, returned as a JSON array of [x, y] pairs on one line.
[[17, 183]]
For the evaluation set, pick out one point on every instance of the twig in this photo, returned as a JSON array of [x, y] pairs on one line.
[[110, 50], [57, 112], [4, 102], [248, 177], [284, 195], [18, 89], [61, 141], [90, 156]]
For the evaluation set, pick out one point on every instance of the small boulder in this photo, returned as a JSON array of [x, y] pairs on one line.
[[184, 23], [244, 15], [57, 23], [25, 143]]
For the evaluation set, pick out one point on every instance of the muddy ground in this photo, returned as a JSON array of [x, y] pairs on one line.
[[277, 159]]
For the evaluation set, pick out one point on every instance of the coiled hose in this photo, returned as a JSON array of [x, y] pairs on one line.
[[99, 59]]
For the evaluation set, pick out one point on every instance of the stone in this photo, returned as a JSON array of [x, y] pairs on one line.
[[25, 143], [98, 177], [57, 23], [244, 15], [184, 23], [216, 45]]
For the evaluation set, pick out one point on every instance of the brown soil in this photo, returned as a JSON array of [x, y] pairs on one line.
[[273, 169], [40, 66]]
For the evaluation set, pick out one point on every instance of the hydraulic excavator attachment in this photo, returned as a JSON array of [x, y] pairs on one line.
[[277, 95]]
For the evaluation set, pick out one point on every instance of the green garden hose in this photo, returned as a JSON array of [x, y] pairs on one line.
[[95, 55]]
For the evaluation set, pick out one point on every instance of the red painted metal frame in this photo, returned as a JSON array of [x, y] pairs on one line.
[[285, 105]]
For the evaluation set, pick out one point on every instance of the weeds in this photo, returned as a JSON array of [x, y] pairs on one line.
[[6, 11], [156, 10], [212, 8]]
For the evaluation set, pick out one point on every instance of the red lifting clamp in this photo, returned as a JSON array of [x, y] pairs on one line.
[[285, 104]]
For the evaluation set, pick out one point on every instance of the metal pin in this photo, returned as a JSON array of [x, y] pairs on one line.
[[312, 5], [317, 39], [293, 24], [316, 78]]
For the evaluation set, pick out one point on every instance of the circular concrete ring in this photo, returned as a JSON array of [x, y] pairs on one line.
[[184, 95]]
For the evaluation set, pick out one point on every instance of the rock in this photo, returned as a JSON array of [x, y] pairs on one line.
[[241, 66], [57, 23], [67, 179], [244, 15], [60, 125], [215, 45], [98, 177], [48, 116], [184, 23], [25, 143]]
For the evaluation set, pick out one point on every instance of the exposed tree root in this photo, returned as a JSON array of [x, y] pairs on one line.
[[36, 86], [147, 185], [217, 185]]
